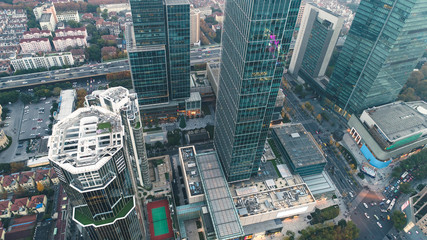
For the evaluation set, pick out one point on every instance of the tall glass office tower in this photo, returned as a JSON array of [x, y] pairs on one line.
[[255, 40], [160, 55], [386, 39]]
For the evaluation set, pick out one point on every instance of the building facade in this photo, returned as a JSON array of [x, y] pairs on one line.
[[195, 27], [35, 45], [318, 33], [120, 101], [36, 33], [87, 152], [25, 62], [71, 32], [384, 43], [255, 40], [47, 22], [160, 56], [68, 16], [62, 43]]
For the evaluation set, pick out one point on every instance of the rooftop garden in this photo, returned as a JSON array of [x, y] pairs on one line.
[[83, 219], [104, 126]]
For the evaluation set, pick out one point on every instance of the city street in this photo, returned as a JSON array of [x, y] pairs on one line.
[[205, 55], [369, 229]]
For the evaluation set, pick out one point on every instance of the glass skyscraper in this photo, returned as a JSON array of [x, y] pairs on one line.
[[160, 55], [385, 41], [255, 40]]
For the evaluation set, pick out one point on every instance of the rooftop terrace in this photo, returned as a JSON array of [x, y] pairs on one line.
[[188, 155], [87, 137]]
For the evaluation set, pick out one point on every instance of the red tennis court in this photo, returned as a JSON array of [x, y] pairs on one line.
[[159, 219]]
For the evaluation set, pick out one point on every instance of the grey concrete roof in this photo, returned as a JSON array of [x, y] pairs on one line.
[[299, 145], [399, 119]]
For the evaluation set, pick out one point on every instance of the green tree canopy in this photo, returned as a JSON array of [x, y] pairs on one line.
[[398, 219]]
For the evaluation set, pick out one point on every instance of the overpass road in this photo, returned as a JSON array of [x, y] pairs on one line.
[[197, 56]]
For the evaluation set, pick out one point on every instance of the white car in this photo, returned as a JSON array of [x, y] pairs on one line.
[[366, 205], [376, 217], [366, 215], [379, 225]]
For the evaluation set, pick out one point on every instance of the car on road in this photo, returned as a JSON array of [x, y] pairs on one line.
[[376, 217], [379, 225], [366, 215], [366, 205]]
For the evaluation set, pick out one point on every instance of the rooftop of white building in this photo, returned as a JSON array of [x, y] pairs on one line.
[[86, 139]]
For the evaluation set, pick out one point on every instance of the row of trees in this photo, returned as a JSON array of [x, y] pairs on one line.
[[416, 86], [342, 231], [416, 162]]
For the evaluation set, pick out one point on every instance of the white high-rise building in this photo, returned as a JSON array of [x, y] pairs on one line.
[[88, 154], [195, 27], [120, 101]]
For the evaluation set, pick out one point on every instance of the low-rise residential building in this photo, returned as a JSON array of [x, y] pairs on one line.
[[27, 61], [37, 204], [26, 180], [71, 32], [5, 209], [10, 182], [22, 228], [112, 27], [389, 132], [62, 43], [78, 55], [19, 206], [35, 45], [42, 177], [36, 33], [53, 176], [4, 140], [68, 16], [47, 22]]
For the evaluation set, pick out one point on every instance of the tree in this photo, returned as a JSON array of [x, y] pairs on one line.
[[308, 106], [56, 91], [182, 123], [91, 8], [94, 53], [398, 219], [104, 14], [26, 98], [158, 145], [74, 24], [40, 187], [81, 94], [406, 188], [396, 172]]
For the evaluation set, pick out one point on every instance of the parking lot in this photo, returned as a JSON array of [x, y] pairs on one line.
[[35, 120]]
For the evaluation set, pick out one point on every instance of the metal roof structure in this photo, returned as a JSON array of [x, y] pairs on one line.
[[398, 120], [299, 145], [218, 197]]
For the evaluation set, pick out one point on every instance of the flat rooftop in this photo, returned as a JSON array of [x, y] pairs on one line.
[[67, 98], [115, 94], [399, 119], [257, 197], [299, 145], [177, 2], [86, 139], [223, 212], [188, 155]]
